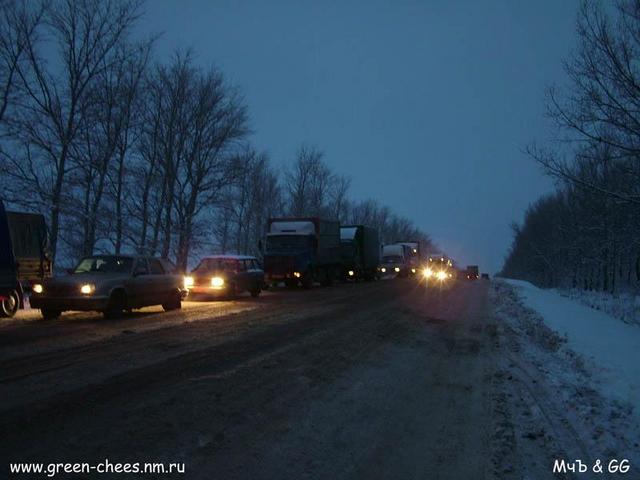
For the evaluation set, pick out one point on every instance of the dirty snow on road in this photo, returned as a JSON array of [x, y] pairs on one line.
[[557, 394]]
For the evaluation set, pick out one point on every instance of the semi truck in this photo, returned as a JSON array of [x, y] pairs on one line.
[[360, 252], [473, 272], [24, 257], [395, 260], [302, 251], [414, 255]]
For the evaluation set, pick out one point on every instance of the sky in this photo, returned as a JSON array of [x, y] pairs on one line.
[[426, 105]]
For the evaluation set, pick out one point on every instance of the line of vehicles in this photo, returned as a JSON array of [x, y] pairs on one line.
[[296, 252]]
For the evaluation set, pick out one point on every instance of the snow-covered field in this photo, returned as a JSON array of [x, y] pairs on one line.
[[623, 306], [612, 347], [566, 385]]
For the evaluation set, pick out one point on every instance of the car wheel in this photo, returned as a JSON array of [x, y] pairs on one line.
[[117, 304], [255, 292], [49, 314], [174, 303], [9, 306]]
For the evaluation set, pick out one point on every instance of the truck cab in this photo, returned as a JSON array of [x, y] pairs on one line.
[[302, 250], [395, 260]]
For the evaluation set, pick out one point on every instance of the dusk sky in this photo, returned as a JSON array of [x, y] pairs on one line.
[[427, 106]]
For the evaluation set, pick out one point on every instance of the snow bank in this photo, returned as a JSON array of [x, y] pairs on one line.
[[612, 345], [624, 306]]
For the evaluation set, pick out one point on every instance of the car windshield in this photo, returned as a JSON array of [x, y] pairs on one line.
[[104, 264], [392, 259], [211, 264]]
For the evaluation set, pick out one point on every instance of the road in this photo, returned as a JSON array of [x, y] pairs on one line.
[[369, 380]]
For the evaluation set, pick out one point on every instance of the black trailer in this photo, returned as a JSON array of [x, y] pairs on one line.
[[24, 257], [360, 252]]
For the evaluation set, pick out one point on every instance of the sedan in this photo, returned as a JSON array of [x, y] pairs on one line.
[[109, 284], [226, 275]]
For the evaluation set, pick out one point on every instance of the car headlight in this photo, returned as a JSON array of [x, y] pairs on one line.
[[217, 282], [427, 272], [351, 273], [87, 289], [188, 282], [442, 275], [397, 269], [413, 270], [37, 288], [297, 274], [383, 269]]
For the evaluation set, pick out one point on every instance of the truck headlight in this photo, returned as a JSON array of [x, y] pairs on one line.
[[351, 273], [37, 288], [217, 282], [188, 282], [397, 269], [87, 289], [297, 274], [413, 270], [427, 272], [383, 270], [442, 275]]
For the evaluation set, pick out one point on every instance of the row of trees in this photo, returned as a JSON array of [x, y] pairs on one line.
[[125, 152], [587, 234]]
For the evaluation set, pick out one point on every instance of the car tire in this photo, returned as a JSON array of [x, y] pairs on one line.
[[49, 314], [9, 307], [174, 303], [116, 306], [255, 292]]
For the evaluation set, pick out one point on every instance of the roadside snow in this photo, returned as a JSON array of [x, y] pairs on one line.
[[624, 306], [612, 345]]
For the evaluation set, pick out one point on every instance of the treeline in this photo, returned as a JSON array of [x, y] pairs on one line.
[[126, 152], [587, 234]]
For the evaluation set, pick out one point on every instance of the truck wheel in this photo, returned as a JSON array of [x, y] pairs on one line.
[[117, 304], [255, 291], [49, 314], [9, 306], [174, 303]]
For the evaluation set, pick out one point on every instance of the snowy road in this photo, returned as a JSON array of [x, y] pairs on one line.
[[375, 380]]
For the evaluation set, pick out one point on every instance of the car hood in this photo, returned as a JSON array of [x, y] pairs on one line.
[[80, 278]]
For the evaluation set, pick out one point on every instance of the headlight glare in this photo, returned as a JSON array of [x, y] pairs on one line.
[[217, 282], [87, 289]]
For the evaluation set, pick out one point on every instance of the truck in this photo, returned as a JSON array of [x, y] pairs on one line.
[[473, 272], [414, 255], [395, 260], [24, 257], [302, 250], [360, 252]]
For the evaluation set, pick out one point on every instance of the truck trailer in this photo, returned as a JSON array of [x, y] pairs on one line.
[[360, 252], [302, 251], [24, 257]]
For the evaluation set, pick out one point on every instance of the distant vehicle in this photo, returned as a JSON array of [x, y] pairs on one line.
[[109, 284], [473, 272], [226, 275], [24, 257], [302, 250], [395, 260], [414, 255], [360, 252], [438, 269], [485, 276]]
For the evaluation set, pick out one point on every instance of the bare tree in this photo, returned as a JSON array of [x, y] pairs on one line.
[[58, 100]]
